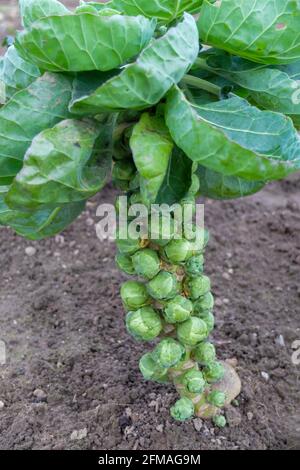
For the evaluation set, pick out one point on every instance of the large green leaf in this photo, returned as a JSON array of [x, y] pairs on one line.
[[16, 73], [33, 10], [44, 222], [264, 31], [269, 87], [233, 137], [68, 163], [217, 186], [163, 10], [84, 41], [165, 172], [142, 84], [43, 104]]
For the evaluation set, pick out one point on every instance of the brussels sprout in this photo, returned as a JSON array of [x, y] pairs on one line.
[[178, 250], [192, 331], [194, 381], [178, 309], [209, 319], [219, 421], [124, 263], [128, 246], [144, 324], [194, 266], [163, 286], [196, 287], [146, 263], [204, 304], [216, 398], [183, 409], [134, 295], [168, 353], [123, 170], [205, 353], [214, 372], [151, 371]]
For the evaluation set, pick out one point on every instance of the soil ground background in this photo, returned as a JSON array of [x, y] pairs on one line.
[[71, 366]]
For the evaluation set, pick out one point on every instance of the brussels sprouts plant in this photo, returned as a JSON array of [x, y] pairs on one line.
[[175, 100]]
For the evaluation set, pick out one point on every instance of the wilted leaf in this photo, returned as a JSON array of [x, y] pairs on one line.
[[264, 31], [233, 137], [43, 104], [84, 41], [68, 163], [217, 186], [16, 73], [142, 84]]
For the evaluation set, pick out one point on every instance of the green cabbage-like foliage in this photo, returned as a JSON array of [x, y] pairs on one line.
[[215, 185], [274, 88], [16, 73], [143, 83], [164, 10], [33, 10], [83, 41], [265, 31], [67, 163], [39, 106], [222, 134]]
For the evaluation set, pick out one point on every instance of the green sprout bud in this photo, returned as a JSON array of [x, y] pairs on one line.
[[134, 295], [194, 381], [123, 170], [194, 266], [163, 286], [178, 251], [168, 353], [128, 246], [204, 304], [124, 263], [196, 287], [151, 371], [146, 263], [216, 398], [214, 372], [209, 319], [205, 353], [192, 331], [219, 421], [183, 409], [178, 309], [144, 324]]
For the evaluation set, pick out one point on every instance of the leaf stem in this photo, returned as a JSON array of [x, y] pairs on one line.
[[201, 84]]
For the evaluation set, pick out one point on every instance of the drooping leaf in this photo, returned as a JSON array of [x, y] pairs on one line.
[[151, 146], [269, 87], [264, 31], [233, 137], [33, 10], [43, 104], [84, 41], [16, 73], [44, 222], [217, 186], [142, 84], [65, 164], [163, 10]]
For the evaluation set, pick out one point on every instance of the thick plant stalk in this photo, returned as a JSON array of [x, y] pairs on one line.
[[171, 303]]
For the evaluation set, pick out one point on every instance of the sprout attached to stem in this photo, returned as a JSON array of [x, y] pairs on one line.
[[163, 286], [213, 372], [192, 331], [205, 353], [194, 381], [183, 409], [151, 371], [168, 353], [144, 324], [146, 263], [178, 309], [134, 295], [216, 398], [196, 287]]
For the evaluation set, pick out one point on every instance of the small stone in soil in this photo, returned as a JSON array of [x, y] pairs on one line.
[[250, 415], [40, 395], [78, 435], [160, 428], [265, 376], [233, 416], [280, 341], [198, 423], [30, 251], [1, 405]]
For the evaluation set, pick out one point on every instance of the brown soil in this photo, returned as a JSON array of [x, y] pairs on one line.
[[63, 326]]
